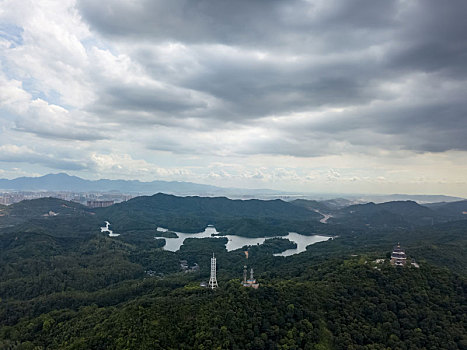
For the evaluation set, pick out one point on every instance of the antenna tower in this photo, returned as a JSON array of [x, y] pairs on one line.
[[213, 279]]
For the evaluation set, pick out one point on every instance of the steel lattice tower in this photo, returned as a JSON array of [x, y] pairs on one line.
[[212, 279]]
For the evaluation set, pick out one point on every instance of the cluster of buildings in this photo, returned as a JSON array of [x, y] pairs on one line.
[[7, 198], [186, 268], [91, 199], [152, 273], [99, 204]]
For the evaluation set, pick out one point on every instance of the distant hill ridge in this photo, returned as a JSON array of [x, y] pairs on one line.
[[64, 182], [400, 213], [67, 183], [243, 217]]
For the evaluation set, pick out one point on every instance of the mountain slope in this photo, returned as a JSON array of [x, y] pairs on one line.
[[389, 214], [312, 205], [456, 210], [192, 214], [40, 208]]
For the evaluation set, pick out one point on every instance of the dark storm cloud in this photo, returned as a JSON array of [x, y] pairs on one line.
[[432, 37], [317, 55], [130, 98], [184, 20], [244, 22], [252, 95], [251, 88], [434, 127]]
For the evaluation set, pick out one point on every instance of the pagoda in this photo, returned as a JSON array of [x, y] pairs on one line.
[[398, 257]]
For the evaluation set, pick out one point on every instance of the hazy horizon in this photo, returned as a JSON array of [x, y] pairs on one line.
[[276, 192], [309, 96]]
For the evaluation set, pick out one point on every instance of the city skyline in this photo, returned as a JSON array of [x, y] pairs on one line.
[[303, 96]]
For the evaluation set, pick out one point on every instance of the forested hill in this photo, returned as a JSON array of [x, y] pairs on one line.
[[398, 214], [64, 284], [40, 208], [242, 217], [453, 209], [213, 207], [43, 206], [252, 218], [193, 214], [273, 217]]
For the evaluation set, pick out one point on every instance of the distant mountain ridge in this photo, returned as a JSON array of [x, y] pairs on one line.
[[419, 198], [64, 182], [68, 183]]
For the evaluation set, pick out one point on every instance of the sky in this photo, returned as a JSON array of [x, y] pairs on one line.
[[299, 95]]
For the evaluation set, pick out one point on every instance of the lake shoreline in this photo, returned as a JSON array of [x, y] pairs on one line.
[[235, 242]]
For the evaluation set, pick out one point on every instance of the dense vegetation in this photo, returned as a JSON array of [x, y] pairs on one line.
[[322, 308], [395, 214], [251, 218], [66, 285]]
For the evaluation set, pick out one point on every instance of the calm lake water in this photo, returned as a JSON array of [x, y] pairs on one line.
[[236, 242]]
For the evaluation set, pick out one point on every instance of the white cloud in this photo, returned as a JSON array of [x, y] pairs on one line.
[[12, 96], [124, 166]]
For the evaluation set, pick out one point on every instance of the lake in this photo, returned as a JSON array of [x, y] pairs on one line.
[[236, 242]]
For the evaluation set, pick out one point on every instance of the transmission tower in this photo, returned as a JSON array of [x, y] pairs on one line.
[[213, 279]]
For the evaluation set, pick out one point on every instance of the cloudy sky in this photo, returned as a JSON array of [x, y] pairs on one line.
[[355, 96]]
